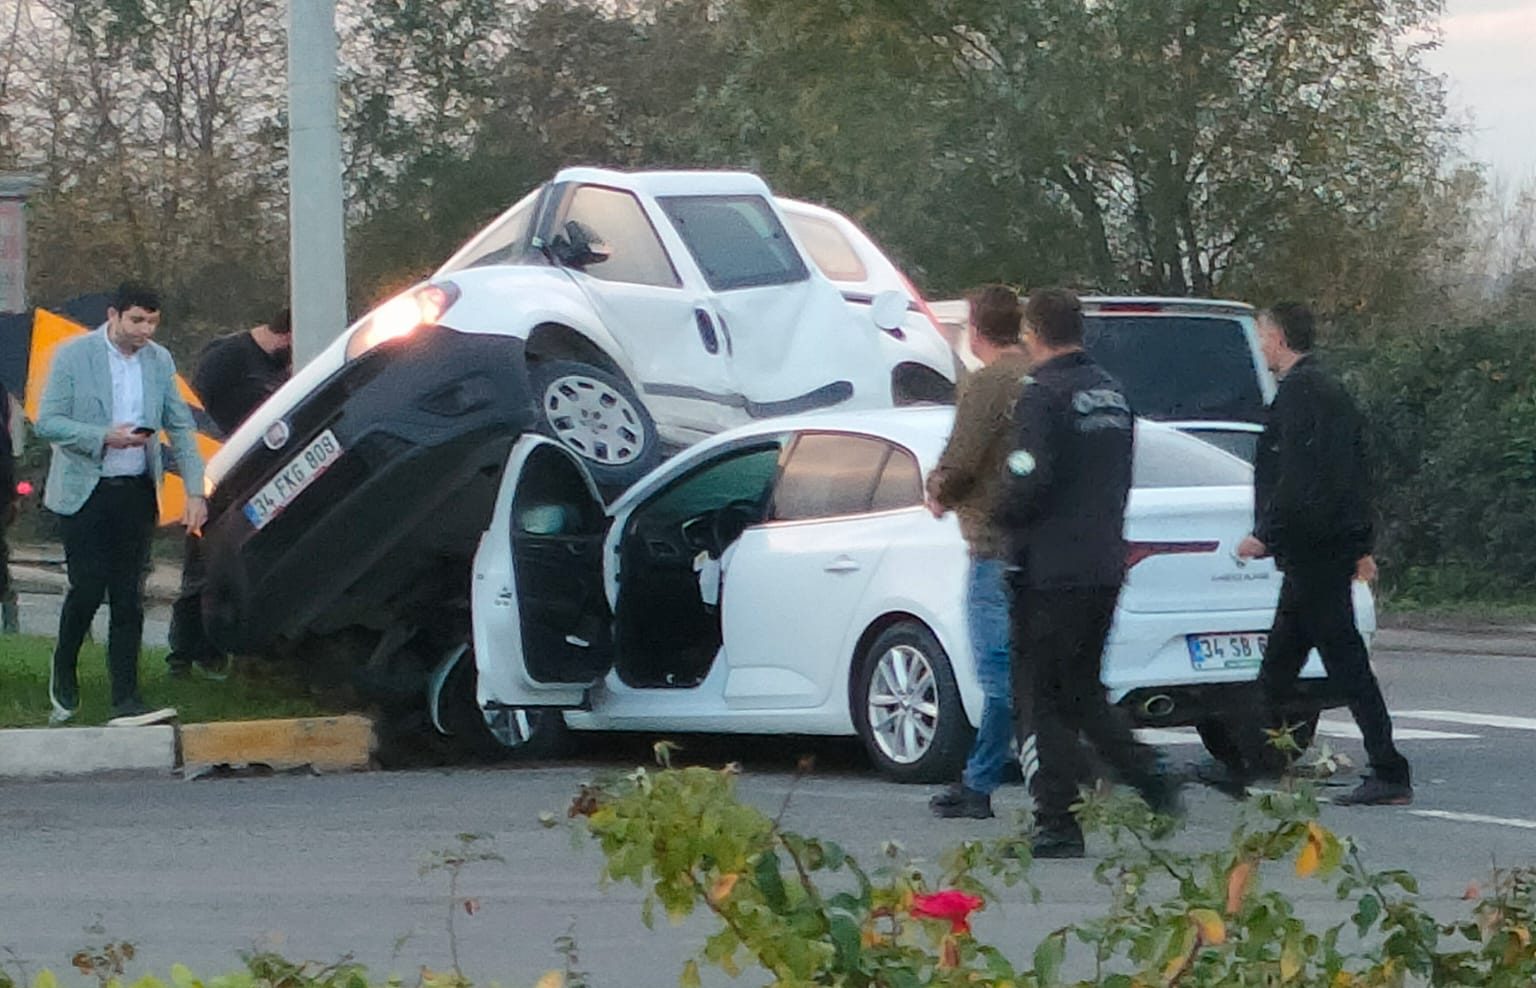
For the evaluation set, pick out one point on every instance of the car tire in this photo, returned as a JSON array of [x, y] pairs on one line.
[[502, 735], [597, 415], [905, 661], [1216, 734]]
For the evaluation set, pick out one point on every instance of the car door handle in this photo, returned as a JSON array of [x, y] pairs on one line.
[[707, 332], [842, 564]]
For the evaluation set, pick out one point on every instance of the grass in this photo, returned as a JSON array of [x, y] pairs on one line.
[[246, 695]]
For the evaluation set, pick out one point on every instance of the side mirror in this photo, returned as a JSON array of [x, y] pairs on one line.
[[889, 310], [578, 246]]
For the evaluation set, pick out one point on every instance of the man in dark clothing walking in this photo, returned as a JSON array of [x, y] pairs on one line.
[[234, 375], [237, 373], [1069, 475], [1312, 513]]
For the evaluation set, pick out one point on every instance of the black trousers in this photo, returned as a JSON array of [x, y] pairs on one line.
[[1063, 634], [106, 545], [1316, 610], [189, 642]]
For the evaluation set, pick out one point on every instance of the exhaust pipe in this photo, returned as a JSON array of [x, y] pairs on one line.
[[1157, 707]]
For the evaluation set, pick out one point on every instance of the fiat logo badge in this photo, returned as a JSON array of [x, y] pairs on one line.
[[276, 436]]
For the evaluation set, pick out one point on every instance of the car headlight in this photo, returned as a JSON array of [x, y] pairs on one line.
[[402, 316]]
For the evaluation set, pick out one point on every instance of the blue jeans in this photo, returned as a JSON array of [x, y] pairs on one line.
[[986, 607]]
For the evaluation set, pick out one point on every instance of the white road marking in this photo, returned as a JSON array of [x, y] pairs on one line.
[[1168, 735], [1501, 821], [1347, 729], [1472, 720]]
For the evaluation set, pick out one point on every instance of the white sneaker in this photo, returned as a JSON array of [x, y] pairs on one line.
[[60, 714], [159, 716]]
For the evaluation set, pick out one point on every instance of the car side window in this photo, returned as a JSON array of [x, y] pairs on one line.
[[901, 483], [827, 475], [619, 224], [737, 241]]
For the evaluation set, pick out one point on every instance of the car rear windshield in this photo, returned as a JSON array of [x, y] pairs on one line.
[[1165, 457], [1179, 366], [737, 241]]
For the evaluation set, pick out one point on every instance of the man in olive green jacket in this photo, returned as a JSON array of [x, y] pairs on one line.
[[969, 481]]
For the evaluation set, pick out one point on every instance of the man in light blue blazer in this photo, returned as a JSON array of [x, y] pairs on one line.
[[109, 394]]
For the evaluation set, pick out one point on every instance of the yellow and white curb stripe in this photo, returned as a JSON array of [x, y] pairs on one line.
[[329, 744]]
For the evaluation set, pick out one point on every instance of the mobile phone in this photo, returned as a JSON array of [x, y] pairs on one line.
[[143, 430]]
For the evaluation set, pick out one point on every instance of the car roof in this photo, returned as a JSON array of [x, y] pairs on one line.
[[669, 183]]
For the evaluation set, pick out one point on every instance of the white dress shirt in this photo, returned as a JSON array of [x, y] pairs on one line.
[[127, 406]]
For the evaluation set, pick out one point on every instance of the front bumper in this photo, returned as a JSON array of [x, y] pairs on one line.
[[425, 424]]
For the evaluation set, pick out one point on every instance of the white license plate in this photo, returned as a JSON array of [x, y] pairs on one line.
[[1235, 650], [291, 481]]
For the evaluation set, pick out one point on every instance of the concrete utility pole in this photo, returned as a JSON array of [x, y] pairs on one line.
[[316, 231]]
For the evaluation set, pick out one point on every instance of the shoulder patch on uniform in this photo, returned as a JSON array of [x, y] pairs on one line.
[[1021, 463]]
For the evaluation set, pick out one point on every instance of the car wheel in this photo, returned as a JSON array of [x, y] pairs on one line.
[[596, 415], [906, 706], [1216, 734], [495, 735]]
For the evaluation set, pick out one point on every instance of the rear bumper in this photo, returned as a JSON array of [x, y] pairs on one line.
[[425, 424], [1178, 706]]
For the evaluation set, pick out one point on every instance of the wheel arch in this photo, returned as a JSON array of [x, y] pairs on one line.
[[955, 651], [557, 341]]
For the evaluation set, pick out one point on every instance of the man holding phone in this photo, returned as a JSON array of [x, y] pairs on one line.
[[108, 394]]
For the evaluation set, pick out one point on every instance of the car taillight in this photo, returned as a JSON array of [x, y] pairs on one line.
[[403, 315], [1135, 552]]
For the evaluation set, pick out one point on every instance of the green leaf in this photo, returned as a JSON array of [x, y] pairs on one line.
[[690, 976], [845, 940], [1367, 912], [771, 883], [45, 979], [1049, 955]]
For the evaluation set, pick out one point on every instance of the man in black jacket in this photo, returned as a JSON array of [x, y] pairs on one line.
[[1068, 477], [1312, 513]]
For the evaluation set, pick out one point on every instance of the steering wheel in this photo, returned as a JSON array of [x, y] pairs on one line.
[[730, 520]]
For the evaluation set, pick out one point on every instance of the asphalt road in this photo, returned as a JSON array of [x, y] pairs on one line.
[[195, 871]]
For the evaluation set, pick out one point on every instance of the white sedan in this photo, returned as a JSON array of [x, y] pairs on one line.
[[785, 578]]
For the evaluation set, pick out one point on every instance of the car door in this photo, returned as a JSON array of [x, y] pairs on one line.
[[793, 344], [540, 611], [792, 586], [669, 334]]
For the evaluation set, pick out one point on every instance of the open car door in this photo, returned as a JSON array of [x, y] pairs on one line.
[[543, 630]]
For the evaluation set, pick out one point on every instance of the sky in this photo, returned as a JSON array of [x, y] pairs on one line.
[[1489, 58]]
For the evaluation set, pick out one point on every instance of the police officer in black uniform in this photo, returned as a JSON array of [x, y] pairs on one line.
[[1312, 512], [1068, 478]]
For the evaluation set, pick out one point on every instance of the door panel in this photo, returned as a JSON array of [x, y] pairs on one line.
[[788, 593], [542, 628], [665, 327]]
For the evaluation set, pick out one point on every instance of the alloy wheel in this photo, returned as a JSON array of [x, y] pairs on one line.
[[903, 704]]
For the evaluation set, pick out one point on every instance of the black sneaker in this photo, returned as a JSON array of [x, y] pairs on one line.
[[1375, 791], [949, 796], [136, 713], [1163, 794], [967, 804], [1059, 843]]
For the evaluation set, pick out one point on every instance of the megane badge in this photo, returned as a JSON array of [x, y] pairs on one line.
[[276, 436]]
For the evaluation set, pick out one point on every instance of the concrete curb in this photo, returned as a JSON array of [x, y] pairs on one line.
[[162, 586], [40, 753], [1502, 642], [328, 744]]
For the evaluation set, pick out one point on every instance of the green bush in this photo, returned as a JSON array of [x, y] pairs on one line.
[[1452, 420]]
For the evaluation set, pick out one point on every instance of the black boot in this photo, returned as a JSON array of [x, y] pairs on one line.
[[1060, 839], [966, 803]]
